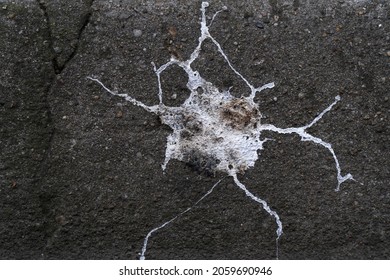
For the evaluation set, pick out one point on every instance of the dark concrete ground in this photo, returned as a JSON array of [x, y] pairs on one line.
[[80, 170]]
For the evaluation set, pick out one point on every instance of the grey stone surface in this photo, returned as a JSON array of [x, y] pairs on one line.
[[80, 170]]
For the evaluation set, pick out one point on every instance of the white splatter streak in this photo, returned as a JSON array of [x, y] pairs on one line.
[[142, 257], [215, 131]]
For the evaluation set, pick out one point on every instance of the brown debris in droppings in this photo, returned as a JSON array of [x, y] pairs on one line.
[[238, 113]]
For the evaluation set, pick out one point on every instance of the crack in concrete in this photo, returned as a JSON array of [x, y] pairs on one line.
[[48, 230], [42, 6], [57, 70], [57, 66], [39, 176], [85, 23]]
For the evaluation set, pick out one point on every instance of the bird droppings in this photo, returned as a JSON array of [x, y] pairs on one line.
[[214, 131]]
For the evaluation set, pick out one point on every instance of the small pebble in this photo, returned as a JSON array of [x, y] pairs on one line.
[[137, 33], [151, 161], [301, 95], [61, 220], [259, 24], [388, 53], [119, 114], [361, 12], [139, 155], [123, 16]]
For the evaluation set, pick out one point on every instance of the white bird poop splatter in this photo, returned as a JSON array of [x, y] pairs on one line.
[[215, 131]]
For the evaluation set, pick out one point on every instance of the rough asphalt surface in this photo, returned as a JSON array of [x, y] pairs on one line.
[[80, 169]]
